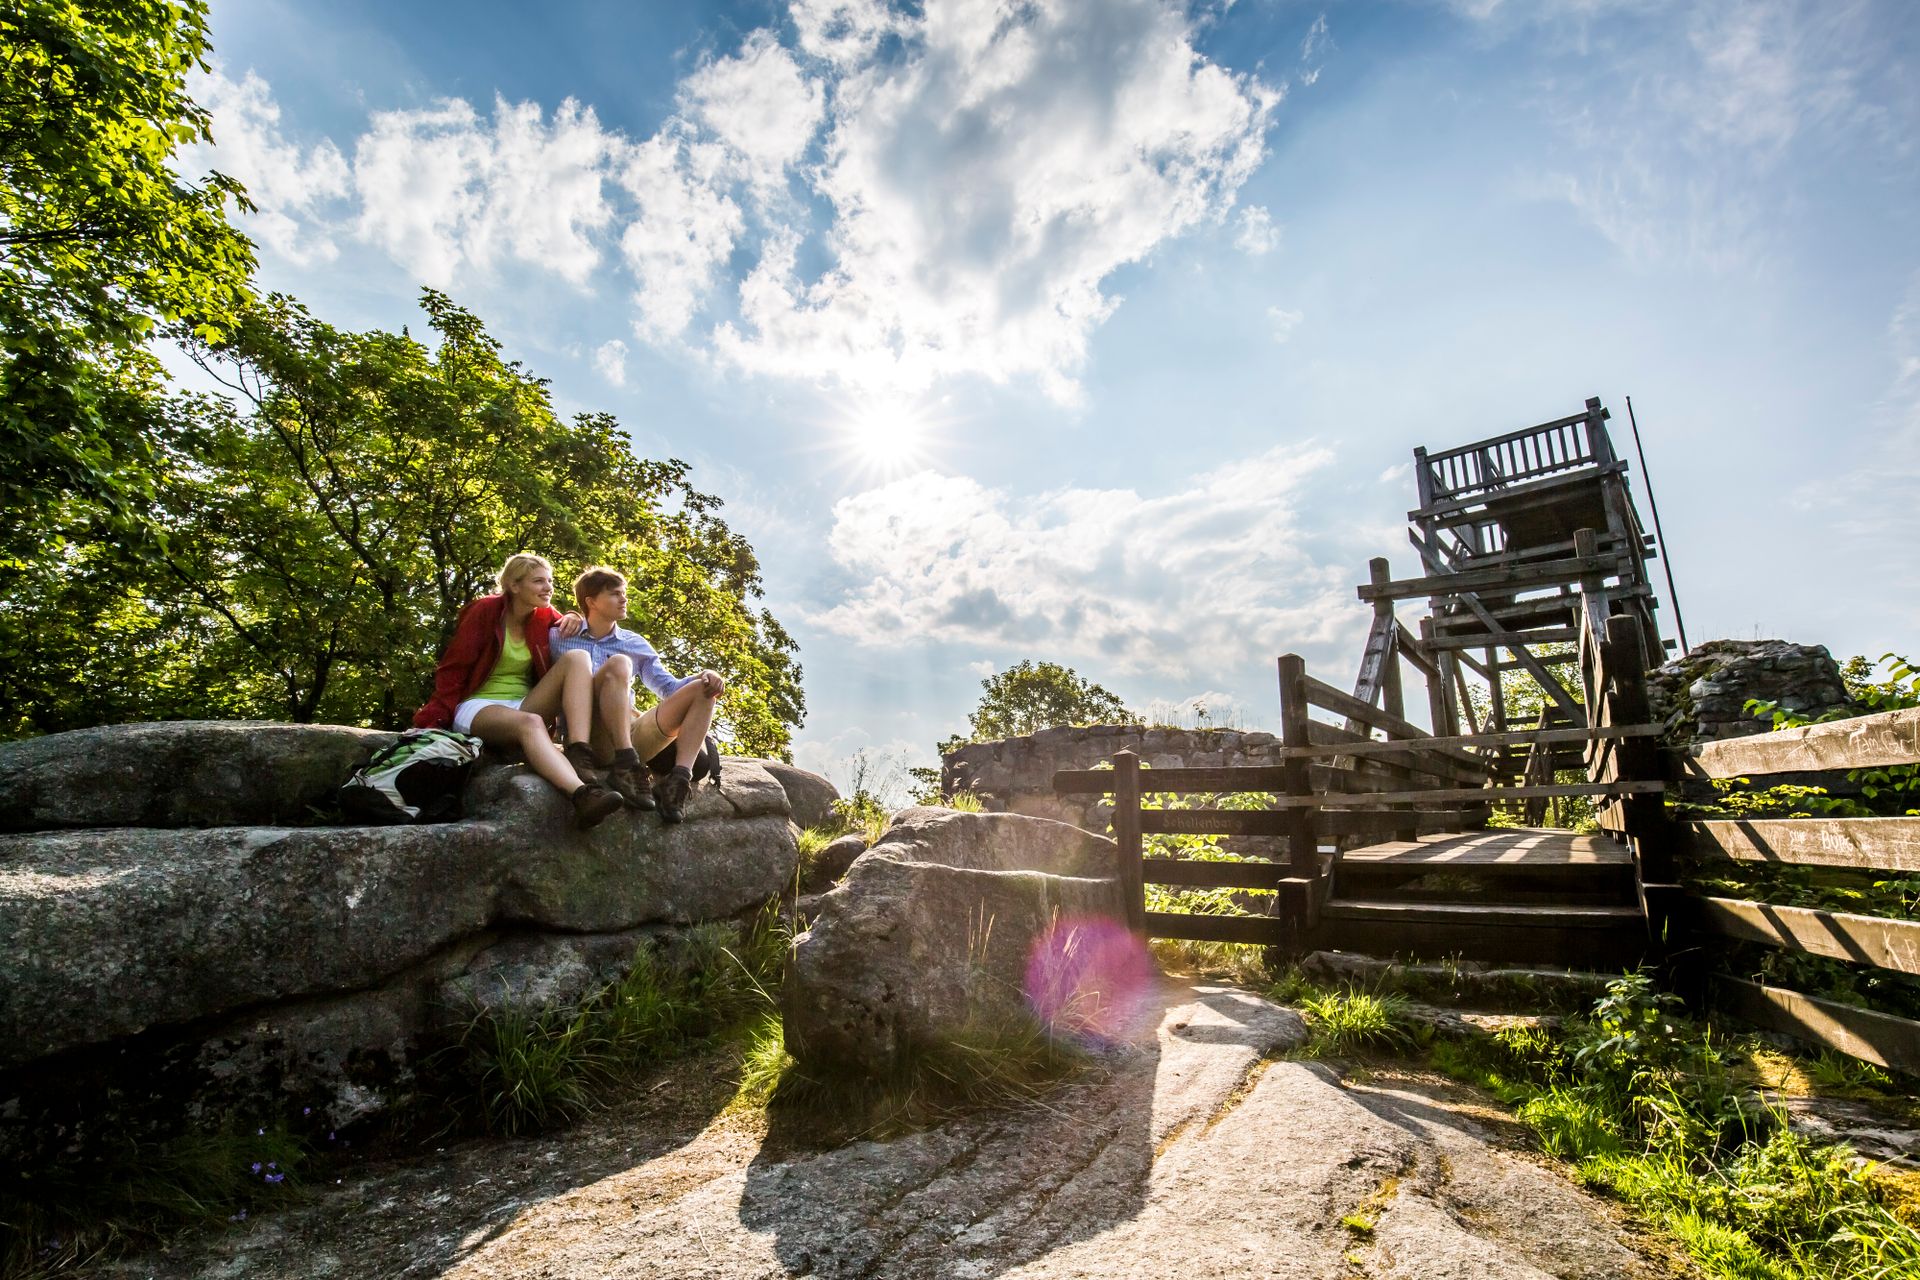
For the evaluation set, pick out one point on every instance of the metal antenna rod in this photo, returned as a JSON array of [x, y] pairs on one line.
[[1666, 553]]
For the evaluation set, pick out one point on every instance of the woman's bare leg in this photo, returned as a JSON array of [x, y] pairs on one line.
[[505, 727], [566, 689]]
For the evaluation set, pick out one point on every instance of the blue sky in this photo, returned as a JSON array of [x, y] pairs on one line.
[[1101, 331]]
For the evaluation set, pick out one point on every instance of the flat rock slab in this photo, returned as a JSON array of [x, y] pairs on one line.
[[1192, 1152], [106, 932]]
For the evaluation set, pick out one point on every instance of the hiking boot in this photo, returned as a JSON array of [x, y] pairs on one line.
[[581, 757], [633, 783], [593, 804], [671, 794]]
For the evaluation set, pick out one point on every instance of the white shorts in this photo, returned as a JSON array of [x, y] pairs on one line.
[[464, 713]]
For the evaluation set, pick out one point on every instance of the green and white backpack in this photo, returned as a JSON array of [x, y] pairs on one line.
[[417, 779]]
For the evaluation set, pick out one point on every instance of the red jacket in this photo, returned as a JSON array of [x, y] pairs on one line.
[[472, 653]]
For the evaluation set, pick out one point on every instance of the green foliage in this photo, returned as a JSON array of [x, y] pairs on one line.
[[1651, 1109], [868, 803], [323, 532], [1031, 696], [1889, 790], [100, 238]]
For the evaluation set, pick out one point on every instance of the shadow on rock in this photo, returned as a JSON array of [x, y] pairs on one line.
[[973, 1196]]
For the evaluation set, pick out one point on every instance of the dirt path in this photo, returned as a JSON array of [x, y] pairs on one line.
[[1193, 1153]]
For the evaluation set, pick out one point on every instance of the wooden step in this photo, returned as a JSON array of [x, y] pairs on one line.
[[1595, 937], [1485, 915], [1364, 880]]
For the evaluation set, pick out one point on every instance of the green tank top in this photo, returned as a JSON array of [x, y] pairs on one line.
[[509, 678]]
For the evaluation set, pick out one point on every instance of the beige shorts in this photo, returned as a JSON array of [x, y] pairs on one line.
[[648, 737]]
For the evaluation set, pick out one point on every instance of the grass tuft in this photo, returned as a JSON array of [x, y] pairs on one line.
[[1343, 1023], [135, 1195], [530, 1071]]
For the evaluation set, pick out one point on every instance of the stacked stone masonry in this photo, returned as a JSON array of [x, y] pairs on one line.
[[1702, 697], [1015, 775]]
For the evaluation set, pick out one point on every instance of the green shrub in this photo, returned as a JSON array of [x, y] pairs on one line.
[[1649, 1107]]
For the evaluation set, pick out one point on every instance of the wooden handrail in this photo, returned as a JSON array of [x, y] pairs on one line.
[[1861, 742]]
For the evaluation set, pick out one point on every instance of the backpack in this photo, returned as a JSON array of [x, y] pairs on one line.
[[417, 779], [705, 765]]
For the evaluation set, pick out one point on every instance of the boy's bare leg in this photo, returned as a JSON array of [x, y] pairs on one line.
[[687, 714], [612, 735], [613, 704]]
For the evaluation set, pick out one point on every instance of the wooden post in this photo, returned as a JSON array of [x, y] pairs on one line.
[[1597, 438], [1639, 758], [1439, 705], [1393, 698], [1126, 834], [1303, 851]]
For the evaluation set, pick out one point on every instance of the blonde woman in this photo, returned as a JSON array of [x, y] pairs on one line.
[[498, 681]]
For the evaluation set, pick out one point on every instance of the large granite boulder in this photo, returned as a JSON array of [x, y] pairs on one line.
[[944, 928], [178, 773], [810, 795], [278, 958]]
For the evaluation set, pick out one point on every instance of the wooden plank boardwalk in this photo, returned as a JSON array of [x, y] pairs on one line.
[[1534, 848]]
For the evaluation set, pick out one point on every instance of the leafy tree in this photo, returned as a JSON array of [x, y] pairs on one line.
[[323, 526], [1038, 695], [99, 240]]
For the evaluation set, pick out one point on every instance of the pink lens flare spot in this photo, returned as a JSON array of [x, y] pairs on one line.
[[1089, 976]]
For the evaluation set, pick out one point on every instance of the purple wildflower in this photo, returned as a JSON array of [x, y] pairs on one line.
[[276, 1178]]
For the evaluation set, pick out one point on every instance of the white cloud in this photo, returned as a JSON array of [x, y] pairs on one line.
[[1314, 49], [1873, 506], [845, 32], [683, 229], [983, 668], [440, 188], [759, 105], [1284, 322], [288, 183], [610, 358], [894, 198], [1257, 234], [987, 182], [1220, 576], [1395, 474]]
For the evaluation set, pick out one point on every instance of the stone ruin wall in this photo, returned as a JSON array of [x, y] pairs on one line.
[[1015, 775], [1702, 697]]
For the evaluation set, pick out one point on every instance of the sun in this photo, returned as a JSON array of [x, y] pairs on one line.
[[889, 435]]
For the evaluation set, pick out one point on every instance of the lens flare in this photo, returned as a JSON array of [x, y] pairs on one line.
[[1089, 976]]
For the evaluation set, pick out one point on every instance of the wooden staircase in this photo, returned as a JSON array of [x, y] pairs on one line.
[[1517, 895]]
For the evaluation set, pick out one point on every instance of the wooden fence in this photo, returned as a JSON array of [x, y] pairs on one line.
[[1334, 786], [1891, 845]]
